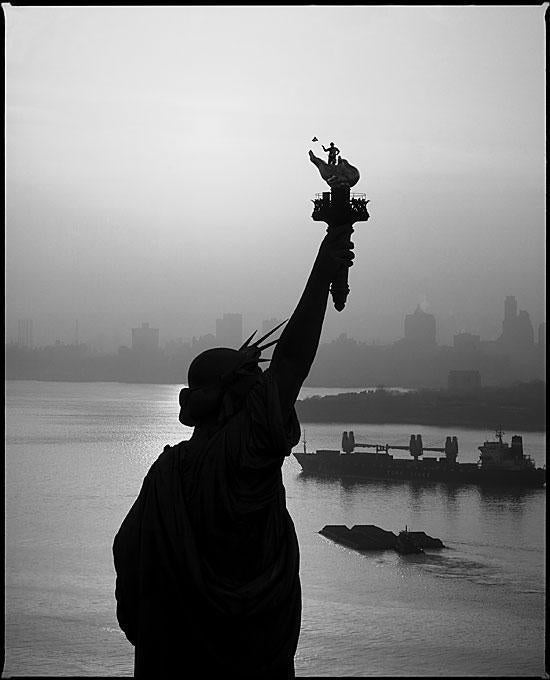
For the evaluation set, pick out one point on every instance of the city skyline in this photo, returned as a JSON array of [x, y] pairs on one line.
[[228, 331]]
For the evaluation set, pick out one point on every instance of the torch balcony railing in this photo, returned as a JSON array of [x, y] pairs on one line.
[[322, 207]]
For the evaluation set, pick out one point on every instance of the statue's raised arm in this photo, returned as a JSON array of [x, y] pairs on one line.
[[338, 207]]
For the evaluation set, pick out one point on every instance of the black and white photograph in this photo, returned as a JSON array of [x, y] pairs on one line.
[[275, 341]]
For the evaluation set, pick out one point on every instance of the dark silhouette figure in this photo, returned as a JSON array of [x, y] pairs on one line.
[[207, 558], [333, 151]]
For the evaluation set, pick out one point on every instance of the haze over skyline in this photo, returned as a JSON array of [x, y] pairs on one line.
[[157, 168]]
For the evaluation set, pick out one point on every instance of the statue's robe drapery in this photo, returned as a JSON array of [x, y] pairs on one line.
[[207, 558]]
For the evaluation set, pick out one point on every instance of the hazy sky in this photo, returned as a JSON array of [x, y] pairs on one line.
[[157, 168]]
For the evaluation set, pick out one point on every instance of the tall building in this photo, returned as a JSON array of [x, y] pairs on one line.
[[24, 333], [229, 331], [517, 329], [420, 328], [510, 308], [145, 339]]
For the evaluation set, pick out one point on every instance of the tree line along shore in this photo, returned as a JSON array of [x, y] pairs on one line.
[[521, 406]]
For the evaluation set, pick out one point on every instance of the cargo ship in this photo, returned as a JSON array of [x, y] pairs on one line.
[[500, 463]]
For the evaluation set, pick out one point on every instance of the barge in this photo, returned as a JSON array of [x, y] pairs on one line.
[[368, 537]]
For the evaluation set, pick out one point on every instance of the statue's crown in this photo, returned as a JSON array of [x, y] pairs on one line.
[[249, 356]]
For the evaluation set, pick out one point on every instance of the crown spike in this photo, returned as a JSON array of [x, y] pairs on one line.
[[245, 343], [269, 344], [269, 333]]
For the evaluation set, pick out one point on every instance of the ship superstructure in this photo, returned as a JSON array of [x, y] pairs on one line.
[[499, 455]]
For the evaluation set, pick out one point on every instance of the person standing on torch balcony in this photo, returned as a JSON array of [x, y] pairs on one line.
[[207, 560], [333, 151]]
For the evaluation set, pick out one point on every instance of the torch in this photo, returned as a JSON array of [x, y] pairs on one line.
[[336, 207]]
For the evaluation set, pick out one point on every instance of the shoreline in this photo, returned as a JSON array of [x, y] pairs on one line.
[[519, 407]]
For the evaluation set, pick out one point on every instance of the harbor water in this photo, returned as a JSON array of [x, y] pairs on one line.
[[76, 454]]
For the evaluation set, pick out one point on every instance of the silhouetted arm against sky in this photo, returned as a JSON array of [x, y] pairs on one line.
[[296, 349]]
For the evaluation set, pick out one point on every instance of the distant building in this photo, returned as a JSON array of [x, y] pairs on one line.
[[463, 381], [343, 339], [145, 339], [176, 348], [542, 335], [24, 333], [420, 328], [229, 331], [517, 329], [466, 342], [203, 342], [510, 308]]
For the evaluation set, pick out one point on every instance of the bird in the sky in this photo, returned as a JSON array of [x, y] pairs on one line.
[[315, 139]]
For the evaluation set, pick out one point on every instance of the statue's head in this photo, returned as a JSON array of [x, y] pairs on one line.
[[218, 381], [209, 377], [210, 365], [332, 143]]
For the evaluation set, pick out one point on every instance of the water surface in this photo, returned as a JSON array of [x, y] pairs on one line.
[[76, 455]]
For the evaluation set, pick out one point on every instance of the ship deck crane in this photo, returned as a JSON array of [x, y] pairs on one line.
[[415, 446]]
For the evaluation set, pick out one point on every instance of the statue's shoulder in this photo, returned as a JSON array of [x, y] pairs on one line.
[[169, 456]]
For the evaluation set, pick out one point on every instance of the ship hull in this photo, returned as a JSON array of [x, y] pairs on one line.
[[383, 467]]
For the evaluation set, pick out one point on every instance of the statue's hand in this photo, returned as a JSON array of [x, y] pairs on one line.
[[335, 251], [341, 174]]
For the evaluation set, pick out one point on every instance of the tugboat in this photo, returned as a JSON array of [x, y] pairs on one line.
[[405, 544]]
